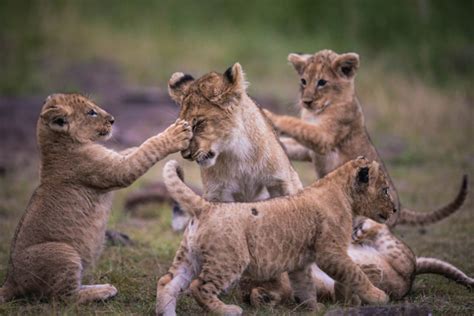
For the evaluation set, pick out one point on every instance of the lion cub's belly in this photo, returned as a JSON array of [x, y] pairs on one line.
[[272, 257]]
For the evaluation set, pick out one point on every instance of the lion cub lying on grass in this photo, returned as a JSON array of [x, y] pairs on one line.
[[62, 230], [263, 239]]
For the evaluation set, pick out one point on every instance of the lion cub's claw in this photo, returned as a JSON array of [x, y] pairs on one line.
[[180, 134]]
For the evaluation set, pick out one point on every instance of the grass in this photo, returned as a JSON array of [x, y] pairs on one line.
[[134, 270]]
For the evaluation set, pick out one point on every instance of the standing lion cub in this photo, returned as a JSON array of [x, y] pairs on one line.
[[62, 230], [225, 241], [332, 129]]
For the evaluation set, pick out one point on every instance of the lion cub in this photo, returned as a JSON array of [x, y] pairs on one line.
[[388, 262], [263, 239], [62, 230], [233, 142], [332, 130], [237, 149]]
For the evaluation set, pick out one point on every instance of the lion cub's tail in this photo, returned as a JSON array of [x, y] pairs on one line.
[[436, 266], [409, 217], [180, 192]]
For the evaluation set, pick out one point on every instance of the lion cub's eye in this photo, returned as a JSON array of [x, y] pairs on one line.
[[197, 125], [92, 113], [303, 82], [385, 191], [321, 82]]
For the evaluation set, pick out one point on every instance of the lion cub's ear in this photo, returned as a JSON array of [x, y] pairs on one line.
[[56, 118], [236, 78], [227, 90], [298, 61], [178, 86], [363, 175], [346, 65]]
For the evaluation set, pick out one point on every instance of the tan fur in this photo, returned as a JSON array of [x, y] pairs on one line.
[[263, 239], [332, 130], [62, 230], [388, 262], [239, 154]]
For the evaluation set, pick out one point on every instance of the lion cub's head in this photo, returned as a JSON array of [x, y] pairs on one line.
[[370, 190], [208, 103], [74, 117], [325, 77]]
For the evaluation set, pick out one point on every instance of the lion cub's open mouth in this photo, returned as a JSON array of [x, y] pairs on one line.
[[382, 218]]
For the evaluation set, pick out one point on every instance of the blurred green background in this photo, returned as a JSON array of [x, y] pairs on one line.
[[432, 39]]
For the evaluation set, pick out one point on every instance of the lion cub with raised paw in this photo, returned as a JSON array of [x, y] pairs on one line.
[[62, 230], [332, 129], [225, 241]]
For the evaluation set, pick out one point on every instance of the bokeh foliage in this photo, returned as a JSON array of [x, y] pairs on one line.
[[428, 38]]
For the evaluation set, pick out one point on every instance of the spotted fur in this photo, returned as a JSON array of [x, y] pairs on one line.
[[225, 241]]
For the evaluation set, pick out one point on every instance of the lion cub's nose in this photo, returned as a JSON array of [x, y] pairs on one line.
[[111, 120]]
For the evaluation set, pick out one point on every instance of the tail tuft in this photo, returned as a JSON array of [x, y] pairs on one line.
[[410, 217], [435, 266]]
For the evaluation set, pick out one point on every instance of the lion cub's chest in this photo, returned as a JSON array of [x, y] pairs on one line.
[[242, 186]]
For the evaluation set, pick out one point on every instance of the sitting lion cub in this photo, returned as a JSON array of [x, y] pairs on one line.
[[263, 239], [62, 230]]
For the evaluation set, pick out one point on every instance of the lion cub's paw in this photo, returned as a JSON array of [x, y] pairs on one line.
[[261, 297], [313, 306], [179, 134], [97, 292], [363, 230], [376, 296], [270, 115], [230, 310]]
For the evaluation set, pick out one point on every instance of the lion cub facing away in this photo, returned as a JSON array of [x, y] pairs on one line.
[[62, 230], [262, 239]]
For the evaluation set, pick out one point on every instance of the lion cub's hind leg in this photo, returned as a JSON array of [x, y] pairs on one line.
[[178, 278], [97, 292], [304, 288], [216, 277], [54, 269], [272, 293]]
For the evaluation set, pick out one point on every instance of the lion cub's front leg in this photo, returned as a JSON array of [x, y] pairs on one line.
[[295, 150], [340, 267]]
